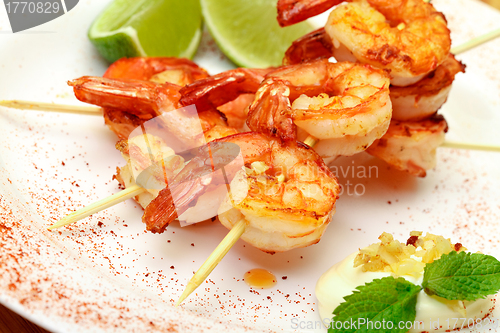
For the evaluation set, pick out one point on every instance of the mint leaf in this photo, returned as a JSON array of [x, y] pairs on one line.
[[378, 306], [462, 276]]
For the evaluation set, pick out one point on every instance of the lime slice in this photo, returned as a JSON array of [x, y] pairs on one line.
[[129, 28], [248, 32]]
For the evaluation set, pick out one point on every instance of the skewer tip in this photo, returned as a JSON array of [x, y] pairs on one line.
[[191, 286], [61, 223], [213, 260], [102, 204]]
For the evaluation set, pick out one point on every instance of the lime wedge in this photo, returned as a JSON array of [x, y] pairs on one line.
[[129, 28], [248, 32]]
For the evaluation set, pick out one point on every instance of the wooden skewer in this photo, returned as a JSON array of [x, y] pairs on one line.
[[476, 42], [460, 145], [39, 106], [112, 200], [213, 260]]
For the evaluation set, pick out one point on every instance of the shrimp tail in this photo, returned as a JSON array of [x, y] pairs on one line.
[[219, 89], [140, 98], [162, 210], [295, 11], [313, 46], [269, 113]]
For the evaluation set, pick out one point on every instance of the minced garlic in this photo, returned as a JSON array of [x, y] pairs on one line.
[[392, 256]]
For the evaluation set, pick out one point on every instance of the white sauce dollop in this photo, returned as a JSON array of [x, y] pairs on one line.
[[434, 314]]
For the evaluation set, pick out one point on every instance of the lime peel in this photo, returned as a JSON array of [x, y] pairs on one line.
[[128, 28], [248, 32]]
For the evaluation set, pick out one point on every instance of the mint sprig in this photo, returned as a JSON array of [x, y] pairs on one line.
[[462, 276], [382, 300], [455, 276]]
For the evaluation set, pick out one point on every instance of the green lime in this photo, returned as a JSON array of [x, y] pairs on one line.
[[248, 32], [129, 28]]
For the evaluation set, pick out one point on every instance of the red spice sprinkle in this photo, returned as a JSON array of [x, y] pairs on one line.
[[284, 277], [172, 267]]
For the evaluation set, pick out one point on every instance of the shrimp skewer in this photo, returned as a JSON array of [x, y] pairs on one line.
[[283, 198], [174, 70], [148, 99]]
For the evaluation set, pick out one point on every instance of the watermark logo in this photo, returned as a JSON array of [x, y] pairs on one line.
[[353, 177], [432, 324], [199, 174], [28, 14]]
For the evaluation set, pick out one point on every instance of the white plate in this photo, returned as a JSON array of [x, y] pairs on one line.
[[116, 277]]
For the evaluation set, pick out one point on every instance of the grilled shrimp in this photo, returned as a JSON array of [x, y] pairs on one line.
[[424, 98], [411, 145], [285, 193], [408, 37], [146, 100], [178, 71], [345, 106]]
